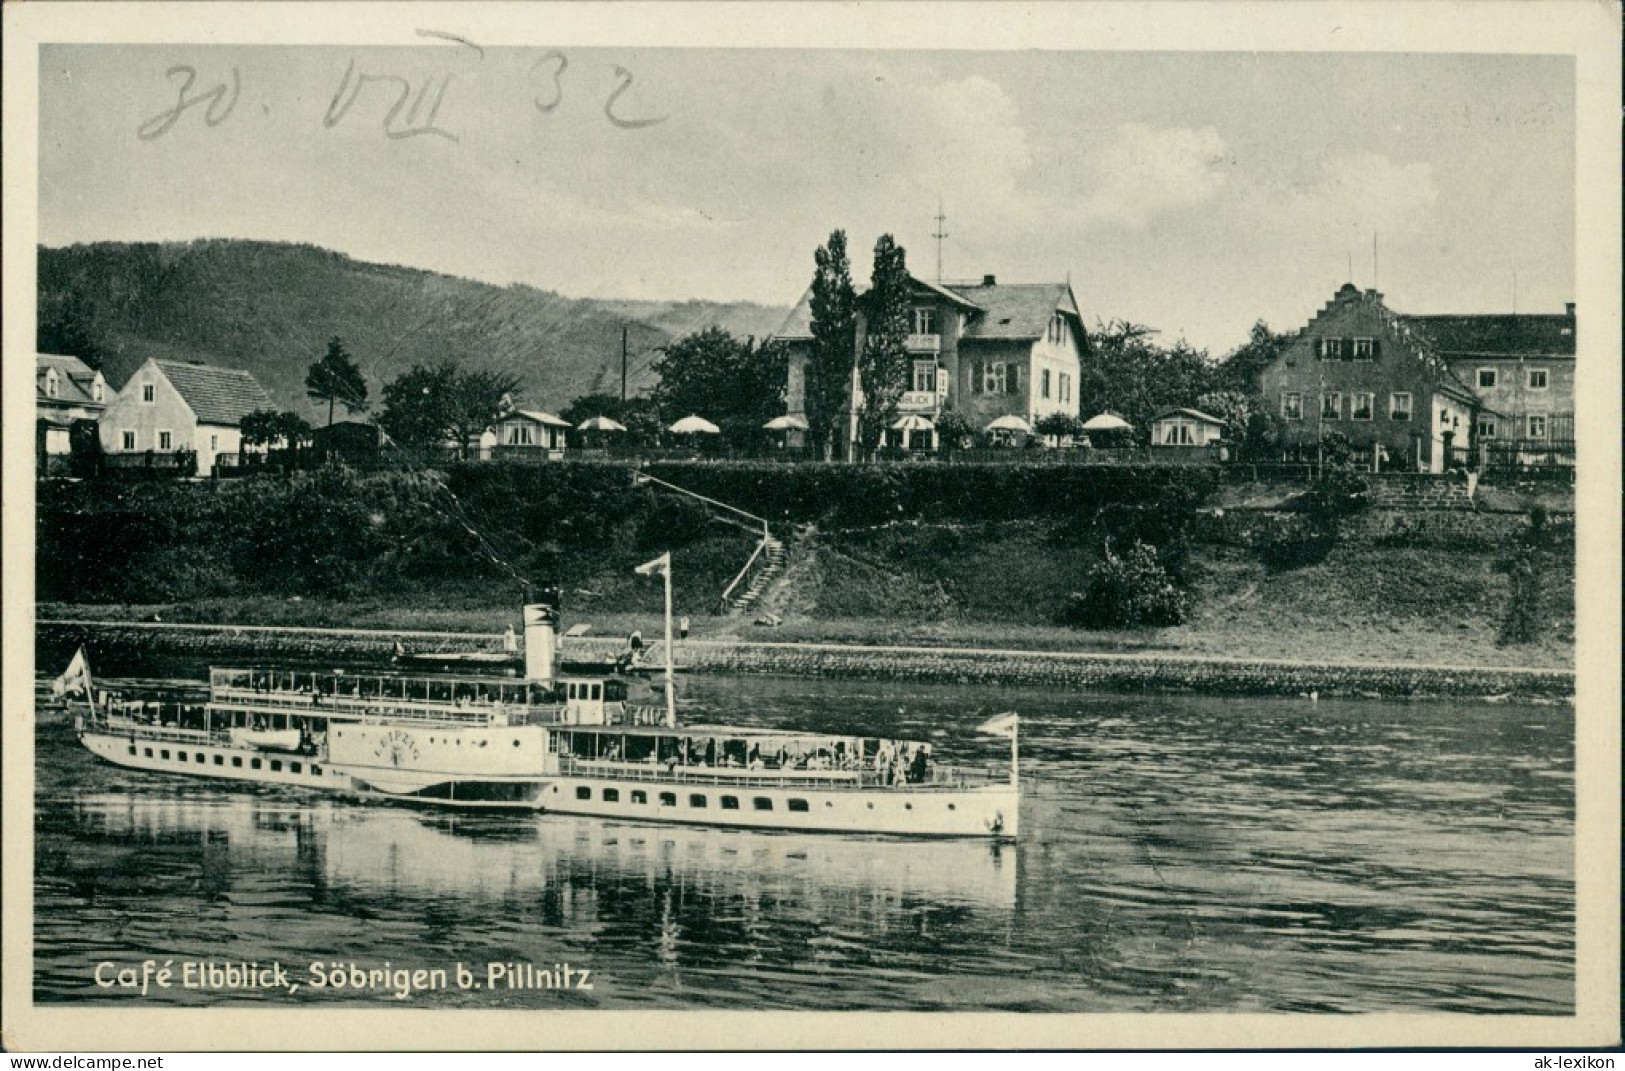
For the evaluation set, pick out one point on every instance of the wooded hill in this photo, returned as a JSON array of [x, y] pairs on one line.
[[269, 308]]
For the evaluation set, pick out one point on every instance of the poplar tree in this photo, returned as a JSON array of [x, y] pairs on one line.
[[834, 330], [883, 366]]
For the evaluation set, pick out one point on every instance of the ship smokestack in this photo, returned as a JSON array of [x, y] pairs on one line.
[[541, 636]]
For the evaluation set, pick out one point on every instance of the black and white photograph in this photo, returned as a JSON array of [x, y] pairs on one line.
[[936, 509]]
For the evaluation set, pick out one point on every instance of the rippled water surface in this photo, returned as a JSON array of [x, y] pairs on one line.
[[1179, 854]]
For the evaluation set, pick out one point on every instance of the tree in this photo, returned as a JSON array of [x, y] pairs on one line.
[[883, 366], [737, 385], [1240, 368], [1128, 373], [270, 427], [1058, 426], [955, 430], [828, 387], [424, 407], [335, 379]]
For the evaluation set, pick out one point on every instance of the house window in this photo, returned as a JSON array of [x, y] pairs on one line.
[[1331, 349], [1486, 378], [1178, 433], [1537, 379], [1043, 383], [148, 392], [165, 441], [1399, 406], [98, 390], [214, 442], [1331, 405], [1291, 405], [1066, 387], [519, 435], [1486, 427], [1537, 427], [925, 376], [922, 322], [1362, 406], [1363, 349], [127, 440]]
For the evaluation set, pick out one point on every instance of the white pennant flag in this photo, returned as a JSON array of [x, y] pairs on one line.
[[74, 679], [661, 565], [999, 725]]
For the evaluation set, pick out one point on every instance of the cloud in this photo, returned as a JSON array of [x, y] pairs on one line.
[[1355, 195], [1146, 171]]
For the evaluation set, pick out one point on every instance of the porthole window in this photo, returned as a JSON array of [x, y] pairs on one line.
[[583, 792], [951, 807], [730, 803], [762, 803], [276, 765], [668, 799], [612, 795], [294, 767], [198, 758], [639, 796], [219, 760], [132, 749], [237, 760], [798, 805], [696, 799], [255, 763], [163, 754], [148, 752]]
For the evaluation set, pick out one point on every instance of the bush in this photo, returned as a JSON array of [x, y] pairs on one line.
[[1128, 590], [1293, 543]]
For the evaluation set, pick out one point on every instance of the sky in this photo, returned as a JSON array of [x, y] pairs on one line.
[[1193, 192]]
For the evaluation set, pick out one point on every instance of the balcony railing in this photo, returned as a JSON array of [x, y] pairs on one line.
[[924, 343]]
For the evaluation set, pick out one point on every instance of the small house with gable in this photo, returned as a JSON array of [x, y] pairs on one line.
[[530, 433], [169, 409], [1185, 428]]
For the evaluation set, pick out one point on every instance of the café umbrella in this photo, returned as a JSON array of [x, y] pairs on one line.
[[1107, 421], [913, 422], [788, 422], [600, 423], [1010, 422], [695, 425]]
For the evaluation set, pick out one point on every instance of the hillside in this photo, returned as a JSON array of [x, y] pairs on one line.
[[270, 308]]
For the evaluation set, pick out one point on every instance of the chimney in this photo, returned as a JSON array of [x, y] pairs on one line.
[[541, 636], [988, 280], [1568, 309]]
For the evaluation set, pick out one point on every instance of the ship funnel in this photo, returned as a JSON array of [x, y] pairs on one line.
[[541, 636]]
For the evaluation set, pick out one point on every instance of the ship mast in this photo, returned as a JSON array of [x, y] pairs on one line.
[[671, 691]]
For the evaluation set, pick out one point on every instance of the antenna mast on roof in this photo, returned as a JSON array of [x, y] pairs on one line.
[[939, 234], [1374, 260]]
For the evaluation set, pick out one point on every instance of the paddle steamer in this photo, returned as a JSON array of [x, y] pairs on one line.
[[539, 733]]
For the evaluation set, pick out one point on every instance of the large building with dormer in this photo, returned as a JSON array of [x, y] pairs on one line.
[[1425, 392], [987, 349]]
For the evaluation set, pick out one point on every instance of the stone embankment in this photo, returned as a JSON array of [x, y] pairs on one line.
[[1094, 671]]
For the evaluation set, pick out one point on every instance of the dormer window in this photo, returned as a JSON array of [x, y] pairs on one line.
[[51, 385], [98, 388]]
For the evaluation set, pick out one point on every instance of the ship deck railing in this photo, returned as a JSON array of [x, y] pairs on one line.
[[941, 777], [390, 707]]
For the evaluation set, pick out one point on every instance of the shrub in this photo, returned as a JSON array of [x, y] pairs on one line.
[[1293, 543], [1130, 590]]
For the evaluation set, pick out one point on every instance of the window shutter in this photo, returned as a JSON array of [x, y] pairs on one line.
[[1012, 379], [1376, 349], [976, 377], [1348, 348]]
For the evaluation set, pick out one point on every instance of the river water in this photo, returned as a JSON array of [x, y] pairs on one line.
[[1177, 854]]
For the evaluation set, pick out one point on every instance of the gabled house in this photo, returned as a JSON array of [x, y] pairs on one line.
[[171, 408], [530, 433], [987, 349], [67, 392], [1522, 367], [1373, 375], [1185, 427]]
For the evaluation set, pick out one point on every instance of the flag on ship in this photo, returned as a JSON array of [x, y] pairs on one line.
[[1000, 725], [661, 565], [75, 680]]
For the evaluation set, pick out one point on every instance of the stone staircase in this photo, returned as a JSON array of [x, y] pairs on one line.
[[1422, 491], [766, 572]]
